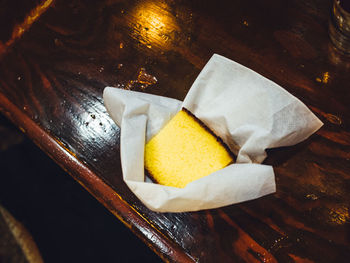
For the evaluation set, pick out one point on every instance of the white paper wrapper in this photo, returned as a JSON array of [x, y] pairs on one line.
[[249, 112]]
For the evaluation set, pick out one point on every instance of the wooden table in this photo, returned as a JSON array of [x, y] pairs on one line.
[[56, 57]]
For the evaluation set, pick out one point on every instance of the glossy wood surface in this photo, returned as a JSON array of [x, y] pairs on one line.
[[56, 57]]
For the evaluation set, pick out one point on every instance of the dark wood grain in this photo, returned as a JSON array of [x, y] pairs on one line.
[[51, 80]]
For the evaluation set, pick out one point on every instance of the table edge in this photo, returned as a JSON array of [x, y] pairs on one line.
[[166, 249]]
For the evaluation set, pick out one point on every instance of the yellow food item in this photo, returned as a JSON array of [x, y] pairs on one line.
[[183, 151]]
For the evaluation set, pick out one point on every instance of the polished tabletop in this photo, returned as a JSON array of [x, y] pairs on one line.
[[56, 57]]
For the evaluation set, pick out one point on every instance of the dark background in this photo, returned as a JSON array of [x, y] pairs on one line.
[[66, 222]]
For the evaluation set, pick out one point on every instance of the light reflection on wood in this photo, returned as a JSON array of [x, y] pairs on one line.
[[153, 25], [19, 29]]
